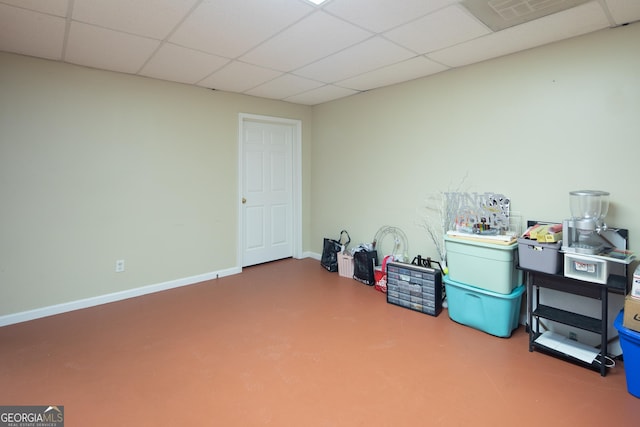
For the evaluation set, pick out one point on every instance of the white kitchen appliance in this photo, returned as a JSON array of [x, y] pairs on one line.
[[592, 250], [585, 233]]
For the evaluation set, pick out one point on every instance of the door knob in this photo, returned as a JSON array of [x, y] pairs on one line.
[[244, 200]]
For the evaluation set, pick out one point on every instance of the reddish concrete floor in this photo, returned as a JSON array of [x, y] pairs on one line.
[[289, 344]]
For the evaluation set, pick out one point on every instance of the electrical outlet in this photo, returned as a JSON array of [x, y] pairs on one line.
[[573, 336], [119, 266]]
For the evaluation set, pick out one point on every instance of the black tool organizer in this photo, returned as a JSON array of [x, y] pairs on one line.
[[416, 287]]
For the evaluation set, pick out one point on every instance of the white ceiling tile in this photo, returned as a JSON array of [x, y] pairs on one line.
[[312, 38], [382, 15], [329, 51], [238, 77], [106, 49], [52, 7], [366, 56], [403, 71], [438, 30], [182, 65], [231, 28], [283, 87], [150, 18], [624, 11], [570, 23], [320, 95], [31, 33]]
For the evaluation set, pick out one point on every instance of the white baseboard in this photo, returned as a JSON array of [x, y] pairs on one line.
[[313, 255], [51, 310]]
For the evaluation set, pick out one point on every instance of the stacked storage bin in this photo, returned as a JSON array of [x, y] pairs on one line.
[[484, 288]]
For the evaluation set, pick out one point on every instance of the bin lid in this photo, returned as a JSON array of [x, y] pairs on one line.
[[516, 292], [494, 242]]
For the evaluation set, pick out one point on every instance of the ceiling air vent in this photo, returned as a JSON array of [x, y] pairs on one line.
[[501, 14]]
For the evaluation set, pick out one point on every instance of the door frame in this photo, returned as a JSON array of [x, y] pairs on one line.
[[296, 176]]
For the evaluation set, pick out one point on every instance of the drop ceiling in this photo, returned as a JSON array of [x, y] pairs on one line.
[[293, 50]]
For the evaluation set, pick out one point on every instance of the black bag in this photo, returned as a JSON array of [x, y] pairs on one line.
[[363, 266], [330, 249]]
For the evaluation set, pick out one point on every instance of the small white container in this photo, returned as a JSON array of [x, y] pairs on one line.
[[635, 284], [586, 268], [345, 265]]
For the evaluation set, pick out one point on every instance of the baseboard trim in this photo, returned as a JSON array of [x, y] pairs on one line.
[[52, 310], [313, 255]]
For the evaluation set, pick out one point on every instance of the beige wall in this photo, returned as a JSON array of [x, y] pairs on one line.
[[98, 166], [533, 126]]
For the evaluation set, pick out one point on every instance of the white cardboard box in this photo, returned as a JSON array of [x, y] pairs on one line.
[[635, 287]]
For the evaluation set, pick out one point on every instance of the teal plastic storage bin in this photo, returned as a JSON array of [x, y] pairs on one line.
[[483, 265], [630, 344], [492, 312]]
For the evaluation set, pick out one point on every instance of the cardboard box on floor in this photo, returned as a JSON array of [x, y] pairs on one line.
[[631, 313]]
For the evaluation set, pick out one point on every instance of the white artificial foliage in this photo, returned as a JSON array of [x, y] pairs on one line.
[[439, 216]]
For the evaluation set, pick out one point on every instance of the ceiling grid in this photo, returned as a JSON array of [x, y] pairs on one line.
[[294, 50]]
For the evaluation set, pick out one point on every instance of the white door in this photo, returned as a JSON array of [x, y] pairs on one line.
[[268, 215]]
